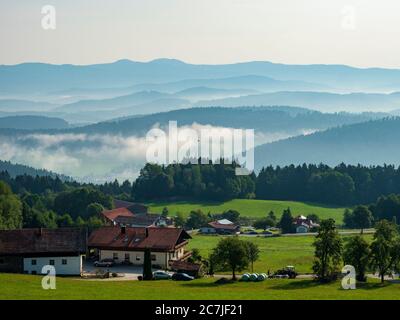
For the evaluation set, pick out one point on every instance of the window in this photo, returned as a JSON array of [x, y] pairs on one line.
[[51, 262], [33, 262], [127, 257], [64, 261], [137, 257], [153, 257], [115, 255]]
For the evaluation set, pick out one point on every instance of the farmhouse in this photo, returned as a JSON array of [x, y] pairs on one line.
[[129, 214], [223, 226], [304, 225], [29, 250], [127, 244]]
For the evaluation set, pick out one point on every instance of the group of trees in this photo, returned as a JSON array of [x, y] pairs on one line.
[[234, 254], [198, 218], [48, 202], [341, 185], [381, 256], [200, 181]]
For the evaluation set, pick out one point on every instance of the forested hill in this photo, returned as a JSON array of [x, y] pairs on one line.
[[370, 143], [30, 122], [19, 169], [264, 119]]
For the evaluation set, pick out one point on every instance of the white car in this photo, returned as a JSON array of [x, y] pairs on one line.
[[161, 275]]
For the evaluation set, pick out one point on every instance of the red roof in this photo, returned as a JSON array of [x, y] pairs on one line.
[[217, 225], [113, 214], [42, 241], [184, 265], [132, 239]]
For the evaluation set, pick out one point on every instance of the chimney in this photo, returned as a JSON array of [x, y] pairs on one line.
[[123, 230], [147, 232]]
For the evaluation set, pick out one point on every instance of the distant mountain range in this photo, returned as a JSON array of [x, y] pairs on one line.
[[368, 143], [45, 78], [14, 105], [322, 101]]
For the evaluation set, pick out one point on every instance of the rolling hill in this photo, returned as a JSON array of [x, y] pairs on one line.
[[321, 101], [265, 119], [18, 169], [368, 143], [31, 122]]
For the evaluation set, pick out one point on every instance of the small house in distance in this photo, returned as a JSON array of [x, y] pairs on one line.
[[129, 214], [223, 226], [29, 250], [304, 225]]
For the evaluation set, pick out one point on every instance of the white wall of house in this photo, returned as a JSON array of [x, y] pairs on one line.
[[137, 257], [301, 229], [63, 265], [207, 230]]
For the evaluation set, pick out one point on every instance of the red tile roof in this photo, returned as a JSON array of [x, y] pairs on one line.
[[135, 238], [42, 241], [217, 225], [113, 214], [184, 265]]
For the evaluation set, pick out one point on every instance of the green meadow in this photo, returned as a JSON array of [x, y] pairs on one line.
[[251, 208], [275, 252], [29, 287]]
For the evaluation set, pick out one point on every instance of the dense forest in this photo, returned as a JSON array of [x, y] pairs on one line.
[[49, 201]]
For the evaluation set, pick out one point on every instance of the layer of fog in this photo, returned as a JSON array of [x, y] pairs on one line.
[[99, 158]]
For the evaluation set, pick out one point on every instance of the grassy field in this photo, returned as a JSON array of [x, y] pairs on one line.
[[251, 208], [275, 253], [29, 287]]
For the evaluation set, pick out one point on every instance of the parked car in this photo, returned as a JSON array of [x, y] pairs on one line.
[[161, 275], [104, 263], [181, 277]]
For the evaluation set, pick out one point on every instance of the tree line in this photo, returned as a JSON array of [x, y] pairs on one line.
[[381, 256]]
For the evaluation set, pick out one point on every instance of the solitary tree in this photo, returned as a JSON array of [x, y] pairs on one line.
[[179, 220], [197, 219], [147, 270], [272, 216], [165, 212], [385, 249], [362, 217], [263, 223], [356, 253], [328, 251], [286, 222], [253, 253], [230, 253]]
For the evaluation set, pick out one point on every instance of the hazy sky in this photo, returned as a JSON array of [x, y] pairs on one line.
[[355, 32]]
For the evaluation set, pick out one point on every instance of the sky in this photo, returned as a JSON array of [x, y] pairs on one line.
[[361, 33]]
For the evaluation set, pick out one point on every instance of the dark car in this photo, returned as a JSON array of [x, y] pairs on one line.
[[104, 263], [181, 277]]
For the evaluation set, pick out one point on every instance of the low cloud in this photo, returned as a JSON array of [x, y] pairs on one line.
[[94, 157]]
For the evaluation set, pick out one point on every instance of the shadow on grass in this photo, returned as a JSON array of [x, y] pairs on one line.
[[373, 286], [295, 285], [214, 284]]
